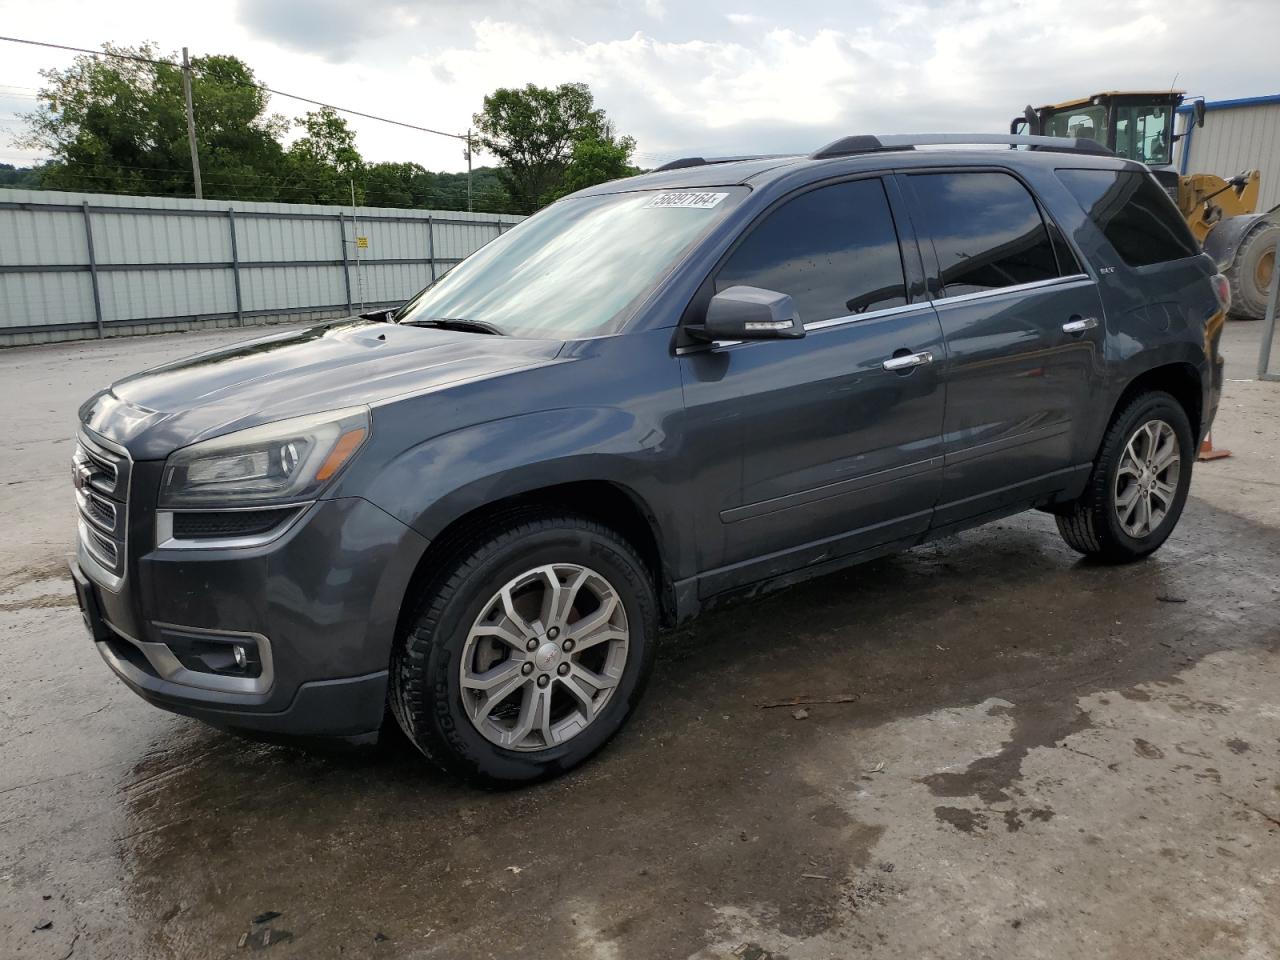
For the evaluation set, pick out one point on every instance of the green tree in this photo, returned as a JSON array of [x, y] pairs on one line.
[[119, 125], [411, 185], [322, 165], [21, 178], [534, 131], [596, 160]]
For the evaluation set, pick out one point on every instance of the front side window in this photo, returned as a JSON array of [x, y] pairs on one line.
[[573, 269], [833, 250], [1134, 214], [987, 231]]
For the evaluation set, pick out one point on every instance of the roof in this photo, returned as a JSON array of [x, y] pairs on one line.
[[1086, 101], [863, 153], [1262, 101]]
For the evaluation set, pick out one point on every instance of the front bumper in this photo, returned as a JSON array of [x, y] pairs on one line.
[[318, 607]]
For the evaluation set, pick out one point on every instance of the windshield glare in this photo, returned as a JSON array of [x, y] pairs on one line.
[[573, 269]]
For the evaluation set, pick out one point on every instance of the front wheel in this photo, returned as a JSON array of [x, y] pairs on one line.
[[1139, 482], [530, 651]]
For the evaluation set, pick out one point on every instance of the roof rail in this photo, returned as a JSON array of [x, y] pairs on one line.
[[703, 161], [864, 143]]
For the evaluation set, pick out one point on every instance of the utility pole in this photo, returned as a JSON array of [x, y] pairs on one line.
[[191, 123], [468, 171]]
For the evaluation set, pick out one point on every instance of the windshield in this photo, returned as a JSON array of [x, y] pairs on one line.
[[1142, 133], [1087, 123], [573, 269]]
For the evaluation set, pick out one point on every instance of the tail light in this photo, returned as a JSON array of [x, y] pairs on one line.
[[1222, 290]]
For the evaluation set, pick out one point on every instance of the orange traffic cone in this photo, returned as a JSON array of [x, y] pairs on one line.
[[1209, 452]]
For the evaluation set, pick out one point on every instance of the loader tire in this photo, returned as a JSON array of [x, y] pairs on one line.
[[1251, 271]]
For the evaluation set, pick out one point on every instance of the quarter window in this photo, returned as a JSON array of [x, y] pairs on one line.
[[833, 250], [987, 231], [1136, 216]]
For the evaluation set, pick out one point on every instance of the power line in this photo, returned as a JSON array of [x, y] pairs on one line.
[[258, 86]]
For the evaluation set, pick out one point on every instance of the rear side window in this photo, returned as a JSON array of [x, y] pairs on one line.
[[987, 231], [1134, 214], [833, 250]]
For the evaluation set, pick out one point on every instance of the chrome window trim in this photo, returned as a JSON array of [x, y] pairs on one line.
[[165, 540], [1015, 288], [1071, 279], [814, 325]]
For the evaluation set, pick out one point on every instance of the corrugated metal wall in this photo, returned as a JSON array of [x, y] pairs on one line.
[[83, 265], [1238, 138]]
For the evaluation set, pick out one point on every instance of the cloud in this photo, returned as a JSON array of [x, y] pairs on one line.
[[713, 77]]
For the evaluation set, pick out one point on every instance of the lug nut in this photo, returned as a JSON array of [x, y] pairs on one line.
[[544, 680], [526, 669], [567, 645], [553, 633], [562, 669], [531, 645]]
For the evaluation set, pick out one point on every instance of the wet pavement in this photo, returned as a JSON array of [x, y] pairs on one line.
[[1042, 758]]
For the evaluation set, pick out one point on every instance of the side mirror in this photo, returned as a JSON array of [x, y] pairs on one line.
[[749, 313], [1197, 110]]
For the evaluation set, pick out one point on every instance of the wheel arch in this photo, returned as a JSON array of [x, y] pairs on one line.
[[1181, 379], [607, 502]]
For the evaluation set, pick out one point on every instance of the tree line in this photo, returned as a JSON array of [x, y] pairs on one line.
[[117, 124]]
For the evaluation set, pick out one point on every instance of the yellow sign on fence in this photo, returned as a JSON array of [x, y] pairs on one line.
[[362, 243]]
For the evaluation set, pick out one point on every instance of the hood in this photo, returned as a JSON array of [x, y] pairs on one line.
[[290, 374]]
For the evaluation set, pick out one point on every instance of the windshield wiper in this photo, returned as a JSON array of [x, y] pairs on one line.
[[456, 323]]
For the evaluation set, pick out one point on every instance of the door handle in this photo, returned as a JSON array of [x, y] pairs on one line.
[[908, 361], [1079, 324]]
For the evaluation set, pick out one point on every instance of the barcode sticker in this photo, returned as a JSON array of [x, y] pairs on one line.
[[695, 200]]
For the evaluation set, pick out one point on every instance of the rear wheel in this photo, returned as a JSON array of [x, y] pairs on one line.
[[530, 651], [1139, 482], [1251, 271]]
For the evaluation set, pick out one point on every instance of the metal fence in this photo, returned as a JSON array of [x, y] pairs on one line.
[[76, 266]]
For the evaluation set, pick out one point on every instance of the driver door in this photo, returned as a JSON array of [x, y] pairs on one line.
[[812, 449]]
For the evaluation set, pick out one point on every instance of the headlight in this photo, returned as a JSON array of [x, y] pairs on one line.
[[278, 462]]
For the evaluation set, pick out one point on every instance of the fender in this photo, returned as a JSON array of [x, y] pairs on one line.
[[1226, 236], [434, 483]]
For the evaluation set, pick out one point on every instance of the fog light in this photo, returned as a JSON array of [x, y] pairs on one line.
[[210, 652]]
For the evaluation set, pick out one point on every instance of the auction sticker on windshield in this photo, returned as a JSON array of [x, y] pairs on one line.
[[698, 200]]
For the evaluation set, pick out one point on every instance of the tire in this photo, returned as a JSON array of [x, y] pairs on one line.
[[1250, 271], [1093, 524], [460, 628]]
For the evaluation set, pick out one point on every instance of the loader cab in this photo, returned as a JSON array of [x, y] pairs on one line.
[[1137, 125]]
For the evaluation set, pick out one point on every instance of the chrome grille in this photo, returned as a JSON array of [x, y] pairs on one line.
[[100, 474], [103, 548]]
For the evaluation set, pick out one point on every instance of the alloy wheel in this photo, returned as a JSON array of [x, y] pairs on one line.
[[1147, 479], [544, 657]]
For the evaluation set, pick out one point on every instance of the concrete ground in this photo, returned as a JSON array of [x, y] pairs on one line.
[[1043, 759]]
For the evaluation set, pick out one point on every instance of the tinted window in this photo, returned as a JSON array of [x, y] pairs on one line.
[[1138, 218], [986, 229], [833, 250]]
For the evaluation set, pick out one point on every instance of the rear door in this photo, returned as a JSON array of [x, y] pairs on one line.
[[832, 452], [1023, 327]]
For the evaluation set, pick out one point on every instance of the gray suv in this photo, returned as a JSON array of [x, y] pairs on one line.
[[654, 395]]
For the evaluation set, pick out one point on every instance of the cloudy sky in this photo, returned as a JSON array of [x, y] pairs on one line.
[[712, 77]]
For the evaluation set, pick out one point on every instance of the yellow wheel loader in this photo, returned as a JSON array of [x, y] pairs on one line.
[[1139, 125]]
